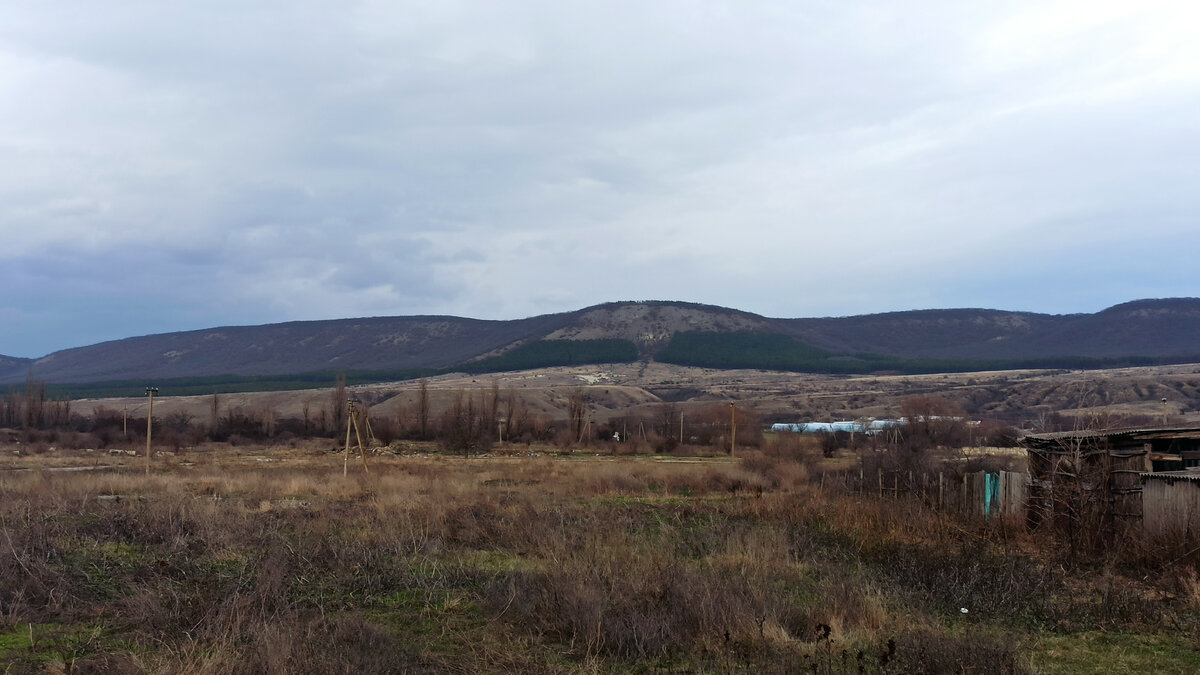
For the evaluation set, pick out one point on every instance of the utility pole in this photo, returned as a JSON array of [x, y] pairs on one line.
[[1164, 402], [150, 391], [352, 423]]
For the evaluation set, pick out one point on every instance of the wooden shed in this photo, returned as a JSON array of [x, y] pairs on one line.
[[1093, 478]]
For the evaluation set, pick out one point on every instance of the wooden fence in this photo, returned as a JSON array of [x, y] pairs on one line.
[[985, 494]]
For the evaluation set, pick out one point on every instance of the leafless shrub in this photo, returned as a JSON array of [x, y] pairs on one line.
[[928, 651], [779, 472]]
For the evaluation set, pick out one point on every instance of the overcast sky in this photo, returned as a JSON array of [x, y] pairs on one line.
[[177, 165]]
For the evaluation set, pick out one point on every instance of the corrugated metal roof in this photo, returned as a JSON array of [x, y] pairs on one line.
[[1125, 431], [1052, 441], [1186, 474]]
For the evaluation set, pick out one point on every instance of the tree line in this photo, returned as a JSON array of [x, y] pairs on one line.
[[463, 421]]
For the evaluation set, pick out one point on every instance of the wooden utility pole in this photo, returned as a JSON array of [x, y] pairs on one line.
[[150, 391], [346, 456], [352, 423]]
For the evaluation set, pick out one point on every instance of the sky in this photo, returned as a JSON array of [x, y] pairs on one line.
[[181, 165]]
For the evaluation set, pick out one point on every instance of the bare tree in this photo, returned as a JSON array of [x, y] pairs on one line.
[[401, 413], [932, 422], [668, 420], [35, 403], [576, 414], [423, 408], [338, 402], [516, 415], [58, 413], [269, 417], [463, 429], [491, 412], [214, 416], [10, 409]]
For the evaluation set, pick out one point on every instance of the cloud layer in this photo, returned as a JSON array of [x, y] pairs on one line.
[[183, 165]]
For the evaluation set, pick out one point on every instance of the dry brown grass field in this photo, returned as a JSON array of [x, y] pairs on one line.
[[1021, 398], [266, 559]]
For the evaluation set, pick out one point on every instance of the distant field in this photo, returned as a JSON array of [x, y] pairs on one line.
[[1019, 397], [265, 559]]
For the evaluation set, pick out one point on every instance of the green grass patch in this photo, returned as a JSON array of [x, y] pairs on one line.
[[438, 621], [1093, 652], [42, 646], [492, 562]]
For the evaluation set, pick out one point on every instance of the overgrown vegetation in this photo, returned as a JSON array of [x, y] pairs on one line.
[[245, 550], [218, 562]]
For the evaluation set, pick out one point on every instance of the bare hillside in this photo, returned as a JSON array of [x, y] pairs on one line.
[[652, 324]]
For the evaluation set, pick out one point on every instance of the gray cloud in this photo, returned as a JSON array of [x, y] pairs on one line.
[[175, 165]]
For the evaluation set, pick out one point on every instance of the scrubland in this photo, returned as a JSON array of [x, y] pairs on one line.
[[269, 560]]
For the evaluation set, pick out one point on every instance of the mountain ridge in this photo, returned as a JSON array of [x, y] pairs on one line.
[[1160, 329]]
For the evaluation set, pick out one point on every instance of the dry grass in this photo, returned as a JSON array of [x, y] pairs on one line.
[[220, 562]]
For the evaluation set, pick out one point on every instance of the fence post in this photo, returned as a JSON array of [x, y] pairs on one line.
[[879, 472], [941, 490]]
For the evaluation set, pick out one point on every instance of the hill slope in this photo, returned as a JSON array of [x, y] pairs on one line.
[[14, 364], [296, 347], [1161, 330], [1147, 328]]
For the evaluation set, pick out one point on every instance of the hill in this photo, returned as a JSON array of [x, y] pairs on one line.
[[10, 364], [376, 349], [391, 343], [1145, 328]]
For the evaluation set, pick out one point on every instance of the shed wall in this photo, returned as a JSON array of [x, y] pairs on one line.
[[1170, 505]]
